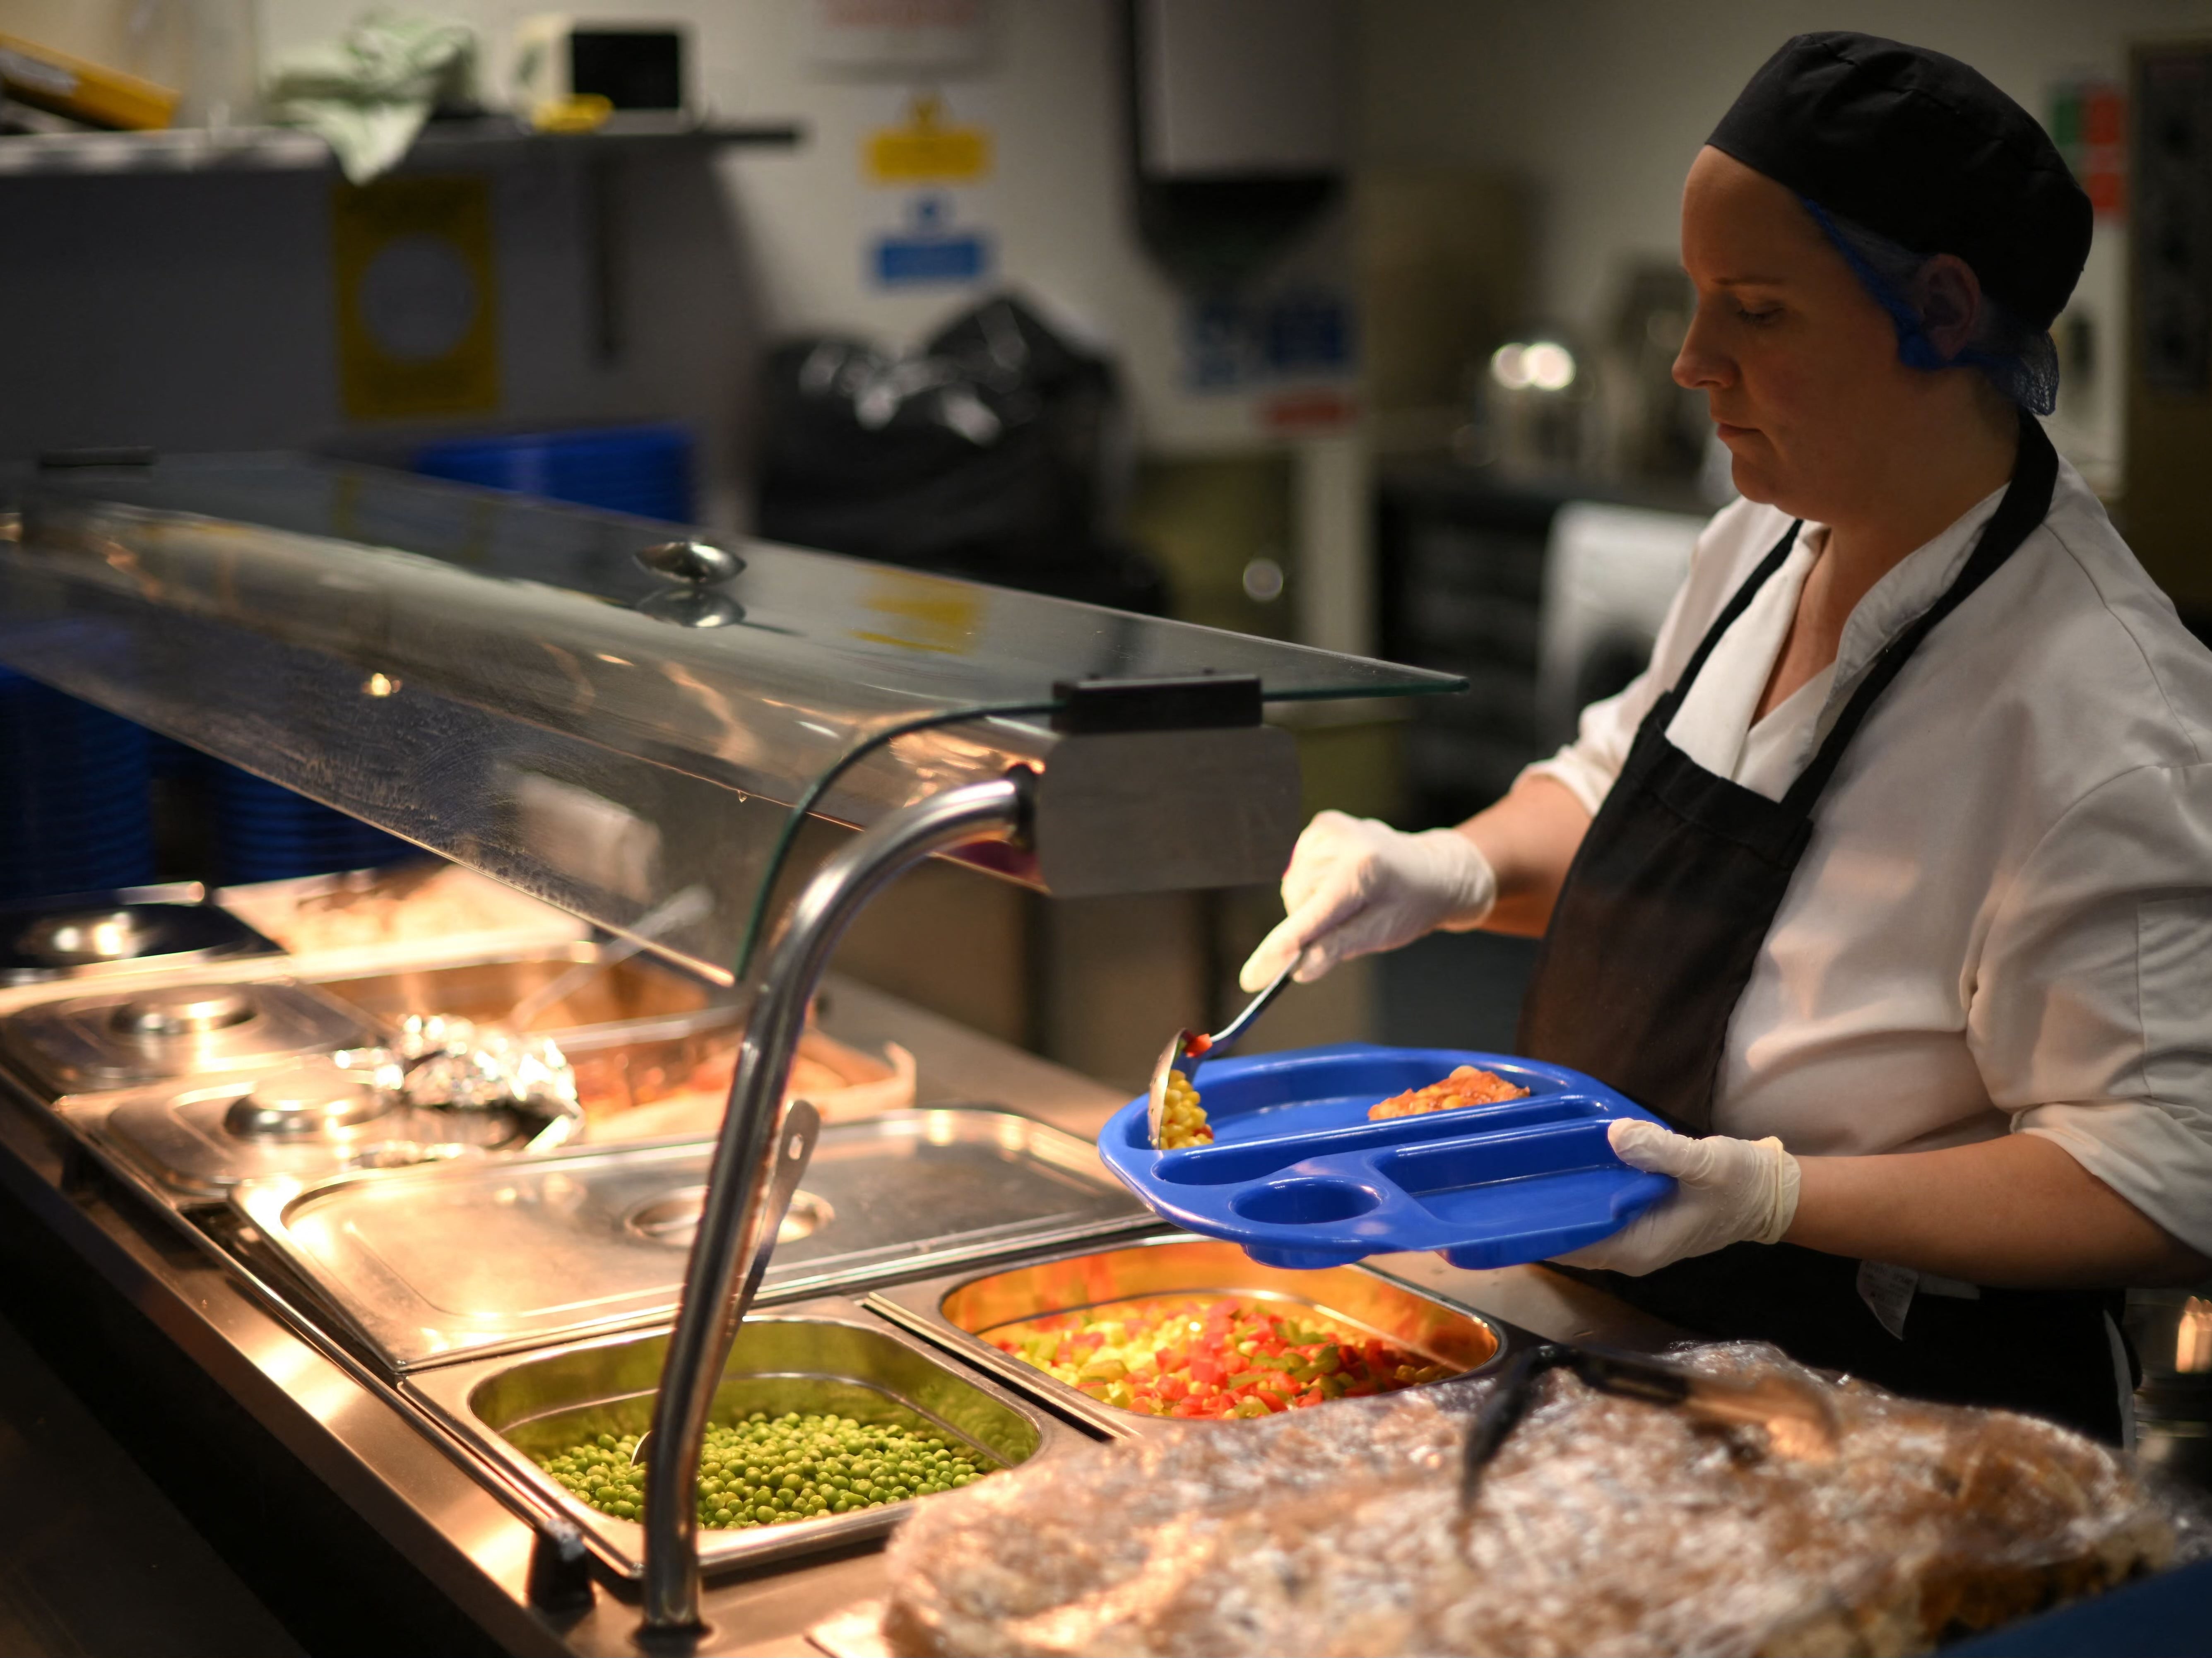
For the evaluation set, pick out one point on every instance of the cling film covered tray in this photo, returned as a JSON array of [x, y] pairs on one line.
[[1301, 1176], [1603, 1524]]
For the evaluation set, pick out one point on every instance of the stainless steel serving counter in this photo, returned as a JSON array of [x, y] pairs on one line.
[[387, 1460]]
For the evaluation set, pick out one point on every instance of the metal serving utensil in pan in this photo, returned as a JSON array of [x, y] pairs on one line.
[[692, 903], [802, 1127], [1800, 1422], [1187, 1049]]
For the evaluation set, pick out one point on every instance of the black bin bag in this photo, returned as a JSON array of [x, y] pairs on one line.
[[997, 453]]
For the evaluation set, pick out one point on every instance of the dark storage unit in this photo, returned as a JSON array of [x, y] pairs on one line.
[[1460, 563]]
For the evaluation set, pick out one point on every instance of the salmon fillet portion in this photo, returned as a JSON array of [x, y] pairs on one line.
[[1468, 1085]]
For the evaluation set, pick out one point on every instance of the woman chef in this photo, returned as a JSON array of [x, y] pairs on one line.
[[1889, 883]]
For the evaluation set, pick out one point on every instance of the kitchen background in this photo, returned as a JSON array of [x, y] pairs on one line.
[[1343, 322]]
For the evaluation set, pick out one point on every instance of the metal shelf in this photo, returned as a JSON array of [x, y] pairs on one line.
[[490, 141]]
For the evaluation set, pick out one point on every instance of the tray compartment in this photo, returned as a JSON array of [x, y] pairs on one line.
[[1309, 1202], [1445, 1176], [829, 1354], [1255, 1159], [1310, 1091], [958, 1311]]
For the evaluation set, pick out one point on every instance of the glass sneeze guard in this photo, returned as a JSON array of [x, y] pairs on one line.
[[499, 679]]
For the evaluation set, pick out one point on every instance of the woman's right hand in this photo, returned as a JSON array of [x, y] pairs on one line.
[[1356, 886]]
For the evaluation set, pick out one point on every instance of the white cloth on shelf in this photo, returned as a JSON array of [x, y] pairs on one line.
[[369, 92]]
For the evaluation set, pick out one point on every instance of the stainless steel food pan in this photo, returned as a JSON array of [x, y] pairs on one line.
[[439, 1262], [625, 1001], [172, 1029], [132, 931], [407, 920], [959, 1309], [179, 1142], [829, 1355]]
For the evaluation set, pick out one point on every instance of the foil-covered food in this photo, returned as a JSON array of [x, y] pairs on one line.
[[1605, 1524], [464, 1066], [460, 1066]]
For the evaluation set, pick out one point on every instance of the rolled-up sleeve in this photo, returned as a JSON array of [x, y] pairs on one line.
[[2091, 1015]]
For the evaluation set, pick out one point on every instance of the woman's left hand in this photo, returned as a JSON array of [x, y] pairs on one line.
[[1727, 1191]]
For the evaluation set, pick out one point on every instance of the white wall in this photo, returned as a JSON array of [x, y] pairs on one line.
[[196, 312], [1056, 205], [1601, 104]]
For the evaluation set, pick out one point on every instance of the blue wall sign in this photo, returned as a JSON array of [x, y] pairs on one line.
[[929, 250]]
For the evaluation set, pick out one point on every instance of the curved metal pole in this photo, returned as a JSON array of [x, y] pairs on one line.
[[707, 1321]]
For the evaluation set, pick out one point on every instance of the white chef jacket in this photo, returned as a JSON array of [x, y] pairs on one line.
[[2003, 919]]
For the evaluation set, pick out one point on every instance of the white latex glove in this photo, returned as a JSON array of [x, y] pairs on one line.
[[1356, 886], [1729, 1191]]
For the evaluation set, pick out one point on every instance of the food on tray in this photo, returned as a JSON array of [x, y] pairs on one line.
[[1211, 1356], [647, 1090], [1605, 1524], [1468, 1085], [767, 1470], [1182, 1119], [401, 906]]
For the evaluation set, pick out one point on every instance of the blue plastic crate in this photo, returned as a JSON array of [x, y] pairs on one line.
[[75, 812], [265, 832]]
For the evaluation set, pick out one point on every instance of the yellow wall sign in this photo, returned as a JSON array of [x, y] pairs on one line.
[[417, 298], [925, 150]]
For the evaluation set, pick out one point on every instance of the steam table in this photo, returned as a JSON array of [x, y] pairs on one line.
[[351, 1526]]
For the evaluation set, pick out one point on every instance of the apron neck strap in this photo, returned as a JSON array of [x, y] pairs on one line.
[[2026, 503], [1745, 594]]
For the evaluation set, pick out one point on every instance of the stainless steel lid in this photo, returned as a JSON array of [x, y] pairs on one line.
[[122, 1039], [90, 937], [434, 1263], [318, 1097], [195, 1143], [193, 1012]]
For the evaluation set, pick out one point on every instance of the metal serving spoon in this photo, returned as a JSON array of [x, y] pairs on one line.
[[1187, 1048], [802, 1127], [693, 903]]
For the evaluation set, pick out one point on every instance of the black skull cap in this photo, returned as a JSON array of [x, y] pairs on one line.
[[1922, 149]]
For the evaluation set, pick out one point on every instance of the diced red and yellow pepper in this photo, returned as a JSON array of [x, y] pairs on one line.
[[1211, 1357]]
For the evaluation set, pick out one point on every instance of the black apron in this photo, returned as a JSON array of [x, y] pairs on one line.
[[1661, 918]]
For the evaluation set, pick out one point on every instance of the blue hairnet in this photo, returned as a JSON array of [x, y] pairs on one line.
[[2020, 361]]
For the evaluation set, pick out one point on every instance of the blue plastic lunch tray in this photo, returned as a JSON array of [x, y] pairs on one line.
[[1299, 1176]]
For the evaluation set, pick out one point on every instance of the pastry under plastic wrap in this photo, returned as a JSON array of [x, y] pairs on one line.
[[1604, 1526]]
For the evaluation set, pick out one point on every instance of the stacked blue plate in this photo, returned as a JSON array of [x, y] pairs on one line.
[[75, 815], [265, 832], [644, 470]]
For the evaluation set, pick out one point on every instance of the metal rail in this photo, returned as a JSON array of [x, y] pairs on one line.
[[706, 1319]]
